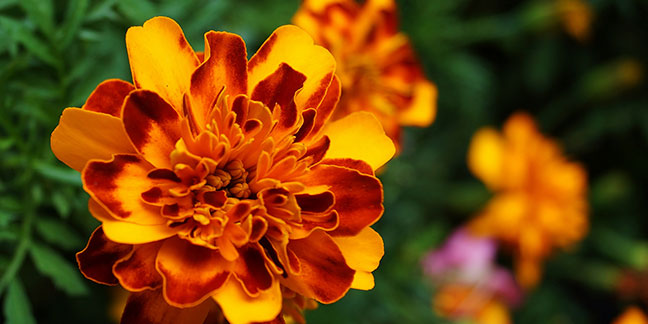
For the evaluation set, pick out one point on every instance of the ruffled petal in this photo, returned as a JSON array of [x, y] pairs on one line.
[[82, 135], [239, 307], [152, 125], [191, 273], [108, 97], [293, 46], [252, 271], [161, 59], [279, 88], [225, 66], [118, 184], [149, 307], [359, 136], [324, 274], [326, 108], [363, 280], [422, 110], [362, 253], [486, 156], [359, 165], [358, 197], [97, 259], [137, 271], [128, 233]]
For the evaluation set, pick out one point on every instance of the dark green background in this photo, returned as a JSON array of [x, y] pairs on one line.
[[489, 58]]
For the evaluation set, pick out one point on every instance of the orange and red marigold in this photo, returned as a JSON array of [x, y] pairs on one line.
[[376, 63], [220, 181], [540, 198]]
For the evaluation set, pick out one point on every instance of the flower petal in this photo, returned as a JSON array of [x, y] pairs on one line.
[[191, 273], [239, 307], [129, 233], [361, 166], [97, 259], [118, 184], [324, 273], [359, 136], [293, 46], [422, 110], [358, 197], [485, 156], [363, 280], [362, 251], [326, 108], [225, 66], [149, 307], [280, 88], [252, 271], [161, 59], [108, 97], [152, 125], [83, 135], [137, 271]]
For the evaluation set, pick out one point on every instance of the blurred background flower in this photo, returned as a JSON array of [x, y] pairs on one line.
[[488, 60], [468, 282], [539, 202]]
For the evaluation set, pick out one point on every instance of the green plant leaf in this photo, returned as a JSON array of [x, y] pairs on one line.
[[73, 20], [19, 32], [41, 13], [58, 233], [17, 309], [65, 277], [67, 176]]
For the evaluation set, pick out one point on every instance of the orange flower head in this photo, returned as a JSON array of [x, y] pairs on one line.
[[376, 63], [576, 17], [632, 315], [540, 197], [465, 302], [220, 184]]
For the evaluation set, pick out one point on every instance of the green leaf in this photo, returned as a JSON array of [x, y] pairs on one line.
[[17, 309], [65, 277], [40, 12], [63, 175], [73, 20], [58, 233], [19, 32], [7, 3], [137, 11]]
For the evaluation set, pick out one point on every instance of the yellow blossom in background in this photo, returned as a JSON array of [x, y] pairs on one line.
[[576, 17], [632, 315], [222, 188], [539, 198], [377, 65]]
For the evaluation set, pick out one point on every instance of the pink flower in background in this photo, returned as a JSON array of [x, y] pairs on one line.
[[469, 283]]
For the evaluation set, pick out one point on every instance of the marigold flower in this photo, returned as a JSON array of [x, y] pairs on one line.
[[376, 63], [469, 283], [632, 315], [219, 180], [540, 197]]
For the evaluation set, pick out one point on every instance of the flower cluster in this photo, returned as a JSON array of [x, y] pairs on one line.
[[220, 181], [540, 197], [376, 63]]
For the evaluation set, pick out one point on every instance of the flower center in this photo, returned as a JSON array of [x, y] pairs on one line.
[[232, 179]]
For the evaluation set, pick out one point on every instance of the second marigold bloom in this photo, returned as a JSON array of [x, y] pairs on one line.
[[376, 63], [221, 181], [540, 197]]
